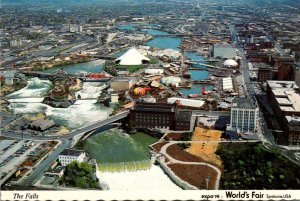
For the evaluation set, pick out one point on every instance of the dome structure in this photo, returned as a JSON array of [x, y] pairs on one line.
[[132, 57], [230, 63]]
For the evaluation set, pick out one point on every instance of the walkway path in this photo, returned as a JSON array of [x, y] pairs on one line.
[[163, 151], [173, 160]]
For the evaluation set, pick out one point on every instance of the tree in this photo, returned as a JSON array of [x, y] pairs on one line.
[[79, 175]]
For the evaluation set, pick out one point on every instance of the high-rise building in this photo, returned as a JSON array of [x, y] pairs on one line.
[[75, 28], [15, 43], [244, 115]]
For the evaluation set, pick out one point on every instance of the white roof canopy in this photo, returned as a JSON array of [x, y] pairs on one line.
[[230, 62], [132, 57]]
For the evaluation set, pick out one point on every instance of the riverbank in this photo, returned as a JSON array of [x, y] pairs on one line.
[[59, 63]]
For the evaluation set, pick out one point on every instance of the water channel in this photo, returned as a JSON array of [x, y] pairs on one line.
[[166, 42], [93, 66]]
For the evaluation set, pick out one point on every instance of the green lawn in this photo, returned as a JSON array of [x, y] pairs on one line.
[[131, 68]]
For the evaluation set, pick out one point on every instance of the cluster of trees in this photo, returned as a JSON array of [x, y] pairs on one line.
[[112, 68], [79, 175], [69, 62], [186, 136], [250, 166]]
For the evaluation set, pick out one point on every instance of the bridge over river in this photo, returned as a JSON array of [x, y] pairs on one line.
[[73, 135]]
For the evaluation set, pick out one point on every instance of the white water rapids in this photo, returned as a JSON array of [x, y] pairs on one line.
[[153, 179], [81, 113]]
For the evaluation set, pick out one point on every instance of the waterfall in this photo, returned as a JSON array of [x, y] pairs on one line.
[[143, 180], [35, 88], [90, 90], [81, 113]]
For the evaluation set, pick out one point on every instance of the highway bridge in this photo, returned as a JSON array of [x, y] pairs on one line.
[[82, 131], [37, 73], [39, 100]]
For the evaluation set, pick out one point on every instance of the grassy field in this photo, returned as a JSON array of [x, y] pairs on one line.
[[131, 68]]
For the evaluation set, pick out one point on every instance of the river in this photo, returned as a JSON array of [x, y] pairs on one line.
[[115, 146], [116, 151], [81, 113], [92, 66]]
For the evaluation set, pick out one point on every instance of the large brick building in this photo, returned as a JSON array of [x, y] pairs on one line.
[[159, 115], [279, 68], [284, 66], [284, 99]]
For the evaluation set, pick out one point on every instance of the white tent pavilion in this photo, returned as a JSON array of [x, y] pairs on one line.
[[132, 57]]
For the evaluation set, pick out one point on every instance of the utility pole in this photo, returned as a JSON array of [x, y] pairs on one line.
[[207, 180]]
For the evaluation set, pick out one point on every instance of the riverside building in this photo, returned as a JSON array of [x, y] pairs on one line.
[[70, 155], [159, 115], [244, 115]]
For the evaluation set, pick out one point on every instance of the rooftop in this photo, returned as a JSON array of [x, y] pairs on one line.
[[287, 94], [71, 152], [294, 120], [154, 107], [184, 116], [242, 103]]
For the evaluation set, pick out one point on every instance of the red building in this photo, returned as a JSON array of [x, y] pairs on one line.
[[159, 115]]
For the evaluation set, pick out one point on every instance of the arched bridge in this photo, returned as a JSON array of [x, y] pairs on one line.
[[82, 131]]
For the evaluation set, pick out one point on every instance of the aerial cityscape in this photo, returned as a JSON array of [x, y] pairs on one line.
[[140, 95]]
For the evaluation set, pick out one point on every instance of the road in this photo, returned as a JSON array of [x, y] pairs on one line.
[[277, 47], [263, 132], [39, 171]]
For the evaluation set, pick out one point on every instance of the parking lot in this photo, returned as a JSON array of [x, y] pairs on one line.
[[18, 158]]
